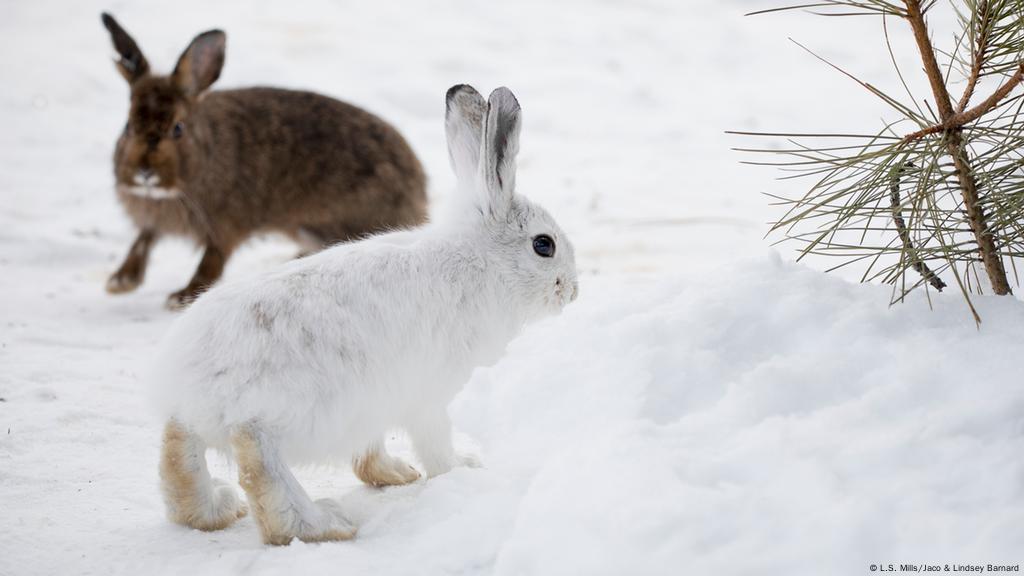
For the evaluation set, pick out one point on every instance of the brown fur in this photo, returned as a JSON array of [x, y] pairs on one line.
[[251, 161], [378, 469], [253, 478], [259, 487], [133, 270], [183, 478]]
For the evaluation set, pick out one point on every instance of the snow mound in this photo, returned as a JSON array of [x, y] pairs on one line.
[[774, 422]]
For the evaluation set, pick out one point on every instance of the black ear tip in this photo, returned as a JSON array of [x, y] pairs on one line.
[[108, 21], [216, 35]]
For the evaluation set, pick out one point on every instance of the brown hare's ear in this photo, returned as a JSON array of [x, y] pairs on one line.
[[200, 64], [131, 63]]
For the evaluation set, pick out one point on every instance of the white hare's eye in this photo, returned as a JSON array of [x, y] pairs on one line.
[[544, 246]]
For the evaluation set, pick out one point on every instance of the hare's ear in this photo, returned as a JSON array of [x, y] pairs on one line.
[[130, 63], [200, 64], [500, 146], [464, 115]]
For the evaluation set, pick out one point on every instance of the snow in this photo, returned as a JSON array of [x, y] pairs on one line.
[[706, 406]]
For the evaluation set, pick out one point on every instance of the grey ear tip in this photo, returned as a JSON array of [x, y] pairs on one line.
[[503, 99], [455, 91]]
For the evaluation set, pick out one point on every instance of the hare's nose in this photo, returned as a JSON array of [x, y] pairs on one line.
[[145, 176]]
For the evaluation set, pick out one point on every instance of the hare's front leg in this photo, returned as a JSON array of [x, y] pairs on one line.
[[431, 434], [281, 507], [210, 268], [378, 468], [133, 269]]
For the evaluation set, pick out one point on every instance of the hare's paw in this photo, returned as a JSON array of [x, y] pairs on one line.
[[378, 468], [219, 509], [331, 525], [469, 460], [192, 498], [431, 435], [226, 506], [228, 502], [435, 466], [121, 282], [181, 299], [320, 521]]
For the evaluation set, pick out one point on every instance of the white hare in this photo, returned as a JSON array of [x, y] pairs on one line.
[[320, 358]]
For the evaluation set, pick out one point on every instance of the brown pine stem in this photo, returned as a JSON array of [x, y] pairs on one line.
[[931, 65], [960, 119], [958, 152]]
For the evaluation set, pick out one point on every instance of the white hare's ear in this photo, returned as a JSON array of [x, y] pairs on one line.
[[464, 115], [500, 146]]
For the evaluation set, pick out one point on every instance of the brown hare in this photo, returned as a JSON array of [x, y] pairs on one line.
[[221, 166]]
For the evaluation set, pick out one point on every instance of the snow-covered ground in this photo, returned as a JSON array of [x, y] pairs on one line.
[[704, 407]]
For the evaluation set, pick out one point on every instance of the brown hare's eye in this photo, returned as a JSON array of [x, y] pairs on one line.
[[178, 129]]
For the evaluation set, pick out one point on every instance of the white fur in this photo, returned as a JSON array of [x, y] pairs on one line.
[[327, 353], [151, 192]]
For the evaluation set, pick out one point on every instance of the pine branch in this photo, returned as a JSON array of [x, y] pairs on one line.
[[955, 146], [960, 119], [901, 227]]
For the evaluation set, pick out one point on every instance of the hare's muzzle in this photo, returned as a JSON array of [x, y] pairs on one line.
[[566, 290], [147, 184], [147, 178]]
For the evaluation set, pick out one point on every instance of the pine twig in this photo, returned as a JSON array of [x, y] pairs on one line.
[[901, 227], [978, 51]]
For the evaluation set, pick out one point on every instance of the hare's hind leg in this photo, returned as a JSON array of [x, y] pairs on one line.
[[281, 507], [309, 241], [378, 468], [192, 497], [320, 236]]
